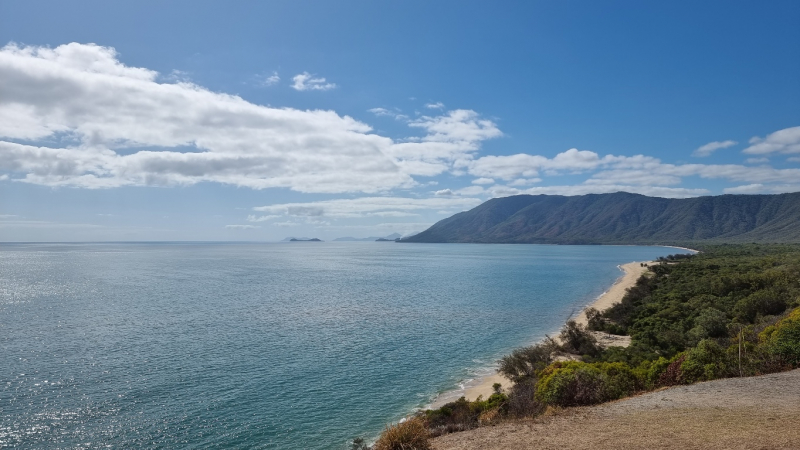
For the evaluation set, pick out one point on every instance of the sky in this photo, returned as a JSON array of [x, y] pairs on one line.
[[256, 121]]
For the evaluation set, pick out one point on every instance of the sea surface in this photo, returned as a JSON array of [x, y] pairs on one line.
[[278, 346]]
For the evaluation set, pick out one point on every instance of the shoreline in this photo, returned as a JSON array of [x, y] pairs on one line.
[[482, 385]]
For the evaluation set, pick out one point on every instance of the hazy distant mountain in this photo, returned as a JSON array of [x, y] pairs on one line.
[[292, 238], [622, 218]]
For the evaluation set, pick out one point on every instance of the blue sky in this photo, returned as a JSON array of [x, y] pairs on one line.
[[261, 120]]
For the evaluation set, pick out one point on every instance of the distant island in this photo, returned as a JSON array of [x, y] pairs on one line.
[[622, 218], [305, 240]]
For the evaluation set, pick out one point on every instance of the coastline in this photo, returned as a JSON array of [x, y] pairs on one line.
[[482, 385]]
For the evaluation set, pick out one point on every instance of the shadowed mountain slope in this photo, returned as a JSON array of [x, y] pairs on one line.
[[622, 218]]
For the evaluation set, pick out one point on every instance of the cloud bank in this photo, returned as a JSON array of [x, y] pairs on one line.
[[76, 116], [98, 123]]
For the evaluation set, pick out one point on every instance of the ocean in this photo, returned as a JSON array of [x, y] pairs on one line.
[[302, 345]]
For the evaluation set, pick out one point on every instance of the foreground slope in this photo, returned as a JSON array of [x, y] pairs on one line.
[[731, 413], [622, 218]]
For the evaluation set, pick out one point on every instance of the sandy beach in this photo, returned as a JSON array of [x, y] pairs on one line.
[[483, 385]]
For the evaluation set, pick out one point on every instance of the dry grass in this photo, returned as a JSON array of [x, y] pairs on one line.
[[409, 435], [734, 413]]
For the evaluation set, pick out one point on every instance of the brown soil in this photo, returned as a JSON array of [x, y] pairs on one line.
[[735, 413]]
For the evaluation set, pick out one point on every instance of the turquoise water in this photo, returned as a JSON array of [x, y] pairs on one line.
[[290, 345]]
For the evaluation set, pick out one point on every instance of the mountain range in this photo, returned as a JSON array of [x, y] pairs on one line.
[[622, 218]]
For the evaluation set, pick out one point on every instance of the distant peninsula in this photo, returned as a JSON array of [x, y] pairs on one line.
[[305, 240], [622, 218]]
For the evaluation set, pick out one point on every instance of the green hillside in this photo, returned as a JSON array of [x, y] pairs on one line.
[[622, 218]]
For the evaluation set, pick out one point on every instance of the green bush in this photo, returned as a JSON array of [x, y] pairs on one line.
[[462, 414], [576, 383], [575, 339], [707, 361], [784, 339], [761, 303], [524, 364], [713, 322]]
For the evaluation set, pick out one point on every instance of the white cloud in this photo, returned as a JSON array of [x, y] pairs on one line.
[[483, 181], [102, 113], [525, 181], [450, 140], [523, 165], [242, 227], [264, 218], [381, 112], [306, 82], [638, 173], [793, 159], [785, 141], [759, 188], [364, 207], [470, 190], [444, 192], [271, 80], [437, 105], [711, 147]]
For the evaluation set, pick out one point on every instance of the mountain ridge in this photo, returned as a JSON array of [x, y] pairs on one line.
[[622, 218]]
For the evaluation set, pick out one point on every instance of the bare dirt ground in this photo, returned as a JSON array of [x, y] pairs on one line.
[[735, 413]]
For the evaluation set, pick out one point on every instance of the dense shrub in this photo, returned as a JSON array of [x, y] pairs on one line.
[[575, 383], [523, 364], [783, 340], [707, 361], [522, 401], [575, 339], [671, 374], [761, 303], [463, 415], [409, 435]]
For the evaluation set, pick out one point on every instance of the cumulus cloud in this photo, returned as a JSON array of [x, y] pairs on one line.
[[307, 82], [523, 165], [785, 141], [711, 147], [437, 105], [639, 173], [108, 125], [450, 139]]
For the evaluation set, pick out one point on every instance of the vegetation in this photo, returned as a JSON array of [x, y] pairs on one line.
[[409, 435], [732, 310], [623, 218]]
